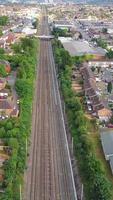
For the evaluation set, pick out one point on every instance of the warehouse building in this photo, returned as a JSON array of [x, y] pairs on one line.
[[82, 47], [107, 145]]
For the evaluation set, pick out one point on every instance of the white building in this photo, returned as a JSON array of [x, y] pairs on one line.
[[100, 63]]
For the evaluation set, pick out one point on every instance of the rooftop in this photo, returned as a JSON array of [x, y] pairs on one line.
[[5, 105], [111, 163], [104, 112], [107, 143], [63, 23], [80, 47]]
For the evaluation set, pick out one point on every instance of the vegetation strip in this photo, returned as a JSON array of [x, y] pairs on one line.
[[16, 131], [96, 185]]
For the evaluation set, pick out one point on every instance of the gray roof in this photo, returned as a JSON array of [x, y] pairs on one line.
[[107, 143], [63, 23], [111, 163], [107, 76], [80, 47]]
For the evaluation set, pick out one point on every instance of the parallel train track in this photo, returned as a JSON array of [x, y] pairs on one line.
[[50, 174]]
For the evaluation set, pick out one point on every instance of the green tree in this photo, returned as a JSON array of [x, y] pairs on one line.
[[9, 125], [60, 32], [3, 20], [3, 71], [101, 43], [109, 54], [2, 132], [1, 33], [17, 48], [23, 87], [27, 44], [104, 30], [2, 51], [101, 188], [13, 143], [109, 87], [17, 130]]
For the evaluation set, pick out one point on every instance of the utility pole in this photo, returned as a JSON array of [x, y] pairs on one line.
[[72, 145], [82, 192], [64, 108], [20, 192], [26, 148]]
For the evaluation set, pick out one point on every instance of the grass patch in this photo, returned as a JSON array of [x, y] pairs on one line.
[[93, 137]]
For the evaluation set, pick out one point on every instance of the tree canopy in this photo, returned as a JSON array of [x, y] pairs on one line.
[[16, 131], [3, 71], [109, 54], [3, 20], [60, 32]]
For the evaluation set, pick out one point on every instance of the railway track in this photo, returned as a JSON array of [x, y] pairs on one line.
[[49, 174]]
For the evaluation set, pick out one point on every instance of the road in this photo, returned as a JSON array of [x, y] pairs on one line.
[[49, 175]]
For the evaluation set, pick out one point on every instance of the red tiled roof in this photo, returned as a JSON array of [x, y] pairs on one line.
[[5, 105], [90, 87], [10, 38], [104, 112]]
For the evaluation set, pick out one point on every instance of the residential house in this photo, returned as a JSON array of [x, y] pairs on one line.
[[10, 38], [15, 112], [2, 43], [4, 93], [7, 39], [92, 98], [104, 114], [6, 107], [100, 63], [62, 24]]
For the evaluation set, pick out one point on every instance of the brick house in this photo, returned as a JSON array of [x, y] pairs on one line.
[[90, 89], [5, 107]]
